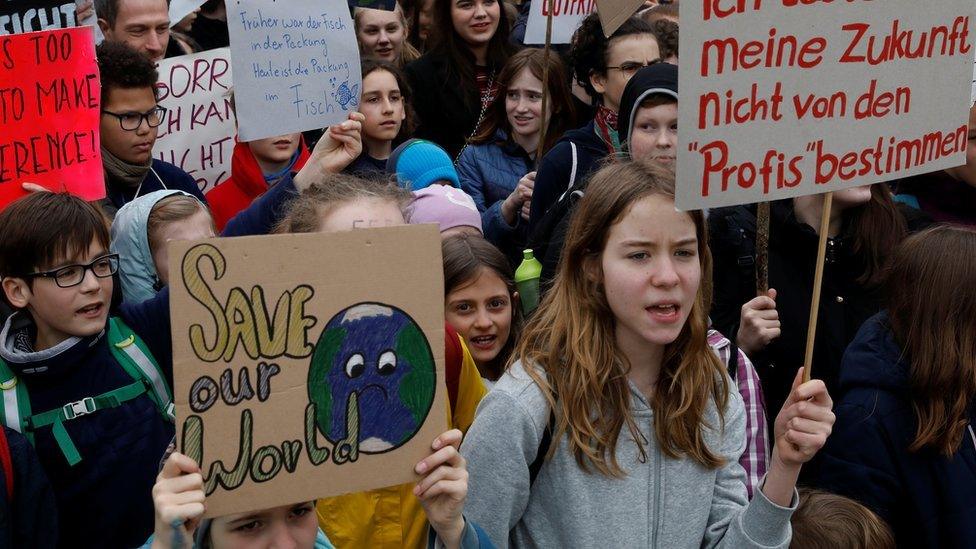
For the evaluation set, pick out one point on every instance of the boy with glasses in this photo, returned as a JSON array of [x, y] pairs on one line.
[[129, 125], [91, 395]]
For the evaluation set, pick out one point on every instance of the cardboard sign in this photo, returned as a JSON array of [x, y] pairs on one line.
[[296, 65], [20, 16], [50, 101], [787, 98], [566, 18], [198, 133], [319, 374], [613, 13]]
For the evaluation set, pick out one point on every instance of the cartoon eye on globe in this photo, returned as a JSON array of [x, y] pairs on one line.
[[372, 378]]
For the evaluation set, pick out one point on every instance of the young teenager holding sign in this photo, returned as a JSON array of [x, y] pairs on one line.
[[618, 406], [456, 80], [385, 104]]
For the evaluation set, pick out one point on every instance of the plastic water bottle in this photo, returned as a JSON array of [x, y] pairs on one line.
[[527, 279]]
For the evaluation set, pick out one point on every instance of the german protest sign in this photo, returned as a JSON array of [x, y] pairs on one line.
[[20, 16], [296, 64], [198, 133], [49, 110], [320, 373], [566, 18], [782, 98]]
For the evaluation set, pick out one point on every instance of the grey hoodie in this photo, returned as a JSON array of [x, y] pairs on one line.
[[665, 502]]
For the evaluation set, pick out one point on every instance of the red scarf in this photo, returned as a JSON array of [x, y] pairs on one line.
[[606, 128]]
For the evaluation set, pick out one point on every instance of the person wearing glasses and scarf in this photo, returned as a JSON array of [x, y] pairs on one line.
[[129, 125]]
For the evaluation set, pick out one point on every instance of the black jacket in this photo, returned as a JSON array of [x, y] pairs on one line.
[[844, 303], [928, 499], [447, 112], [30, 517]]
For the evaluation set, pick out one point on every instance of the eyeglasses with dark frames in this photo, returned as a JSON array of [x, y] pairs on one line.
[[72, 275], [130, 121], [629, 68]]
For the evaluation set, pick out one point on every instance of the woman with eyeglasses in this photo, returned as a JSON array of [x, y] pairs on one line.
[[602, 66], [130, 122]]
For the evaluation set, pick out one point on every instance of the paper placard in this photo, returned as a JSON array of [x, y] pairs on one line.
[[20, 16], [178, 9], [321, 373], [613, 13], [296, 65], [566, 18], [198, 133], [49, 111], [788, 100]]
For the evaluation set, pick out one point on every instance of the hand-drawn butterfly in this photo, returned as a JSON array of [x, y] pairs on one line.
[[372, 371]]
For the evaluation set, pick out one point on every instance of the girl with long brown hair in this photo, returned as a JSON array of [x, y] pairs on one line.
[[905, 444], [616, 426], [498, 167]]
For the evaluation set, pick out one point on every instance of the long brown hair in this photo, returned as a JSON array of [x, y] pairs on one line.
[[445, 41], [932, 309], [369, 66], [464, 258], [560, 98], [878, 227], [571, 338], [827, 521]]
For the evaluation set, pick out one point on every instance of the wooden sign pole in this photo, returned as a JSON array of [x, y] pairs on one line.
[[545, 84], [817, 284], [762, 248]]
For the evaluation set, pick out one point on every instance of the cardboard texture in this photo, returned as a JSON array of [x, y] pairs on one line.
[[613, 13], [346, 326], [49, 111], [21, 16], [296, 65], [198, 133], [566, 18], [783, 101]]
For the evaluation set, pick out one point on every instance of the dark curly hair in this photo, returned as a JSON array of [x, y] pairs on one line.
[[588, 52], [666, 32], [122, 67]]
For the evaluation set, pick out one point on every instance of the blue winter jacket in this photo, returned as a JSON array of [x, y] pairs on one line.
[[489, 173], [928, 499], [106, 499]]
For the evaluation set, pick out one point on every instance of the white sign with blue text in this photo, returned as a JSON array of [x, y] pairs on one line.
[[296, 65]]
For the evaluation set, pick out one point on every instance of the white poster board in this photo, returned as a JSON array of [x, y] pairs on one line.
[[198, 133], [296, 65], [178, 9], [566, 18], [788, 100]]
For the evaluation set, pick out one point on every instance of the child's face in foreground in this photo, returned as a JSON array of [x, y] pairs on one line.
[[481, 311], [651, 273], [288, 526], [61, 313]]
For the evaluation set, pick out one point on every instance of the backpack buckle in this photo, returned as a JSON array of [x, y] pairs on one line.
[[82, 407]]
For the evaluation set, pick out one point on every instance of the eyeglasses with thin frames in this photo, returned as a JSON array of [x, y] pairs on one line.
[[629, 68], [72, 275], [130, 121]]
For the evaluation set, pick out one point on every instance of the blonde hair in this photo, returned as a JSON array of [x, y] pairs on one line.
[[173, 208], [571, 338], [305, 213], [408, 53]]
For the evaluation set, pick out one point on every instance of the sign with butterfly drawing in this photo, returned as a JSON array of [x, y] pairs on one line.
[[321, 373], [296, 65]]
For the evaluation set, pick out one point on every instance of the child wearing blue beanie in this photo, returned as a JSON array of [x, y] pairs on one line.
[[418, 164]]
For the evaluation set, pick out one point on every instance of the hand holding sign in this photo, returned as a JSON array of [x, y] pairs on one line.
[[340, 146]]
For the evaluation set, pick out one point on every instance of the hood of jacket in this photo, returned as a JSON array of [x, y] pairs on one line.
[[587, 138], [130, 239], [659, 78], [874, 360]]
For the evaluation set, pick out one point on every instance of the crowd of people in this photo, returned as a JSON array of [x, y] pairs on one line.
[[652, 399]]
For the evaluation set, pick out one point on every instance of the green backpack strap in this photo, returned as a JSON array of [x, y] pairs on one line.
[[16, 404], [133, 355]]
